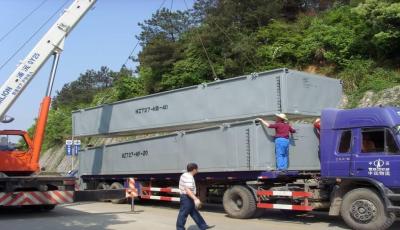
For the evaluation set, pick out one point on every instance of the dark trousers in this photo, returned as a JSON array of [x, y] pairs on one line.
[[188, 208]]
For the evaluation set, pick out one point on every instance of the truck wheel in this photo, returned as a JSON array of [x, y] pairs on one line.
[[103, 186], [364, 209], [239, 202], [117, 185]]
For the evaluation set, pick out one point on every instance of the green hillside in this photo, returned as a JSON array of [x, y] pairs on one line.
[[356, 41]]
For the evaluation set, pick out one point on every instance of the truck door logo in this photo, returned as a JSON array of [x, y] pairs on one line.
[[379, 168], [379, 163]]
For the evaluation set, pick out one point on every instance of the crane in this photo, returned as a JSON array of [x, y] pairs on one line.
[[18, 165], [52, 43]]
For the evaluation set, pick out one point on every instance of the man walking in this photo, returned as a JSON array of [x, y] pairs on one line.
[[189, 201], [283, 129]]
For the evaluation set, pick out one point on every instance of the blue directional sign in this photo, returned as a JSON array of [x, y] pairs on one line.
[[68, 147], [77, 146]]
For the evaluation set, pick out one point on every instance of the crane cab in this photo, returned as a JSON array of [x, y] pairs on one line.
[[16, 150]]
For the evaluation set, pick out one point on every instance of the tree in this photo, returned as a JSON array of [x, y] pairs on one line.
[[82, 90], [156, 59], [127, 85], [159, 38], [165, 25], [242, 14], [383, 20]]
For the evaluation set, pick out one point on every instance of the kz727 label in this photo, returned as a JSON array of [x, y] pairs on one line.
[[135, 154], [149, 109]]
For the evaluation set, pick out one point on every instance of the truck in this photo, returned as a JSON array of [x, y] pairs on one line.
[[22, 182], [348, 165], [351, 171]]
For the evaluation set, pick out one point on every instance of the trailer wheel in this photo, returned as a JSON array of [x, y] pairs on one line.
[[239, 202], [364, 209], [103, 186], [117, 185]]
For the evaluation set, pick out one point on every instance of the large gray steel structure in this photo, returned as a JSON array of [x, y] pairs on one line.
[[240, 146], [263, 94]]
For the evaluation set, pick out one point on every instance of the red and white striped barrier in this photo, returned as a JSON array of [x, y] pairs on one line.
[[163, 198], [36, 198], [168, 190], [283, 193], [285, 206], [294, 194], [131, 191], [146, 194]]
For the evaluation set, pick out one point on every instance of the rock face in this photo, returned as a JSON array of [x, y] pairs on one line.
[[387, 97], [343, 102], [54, 160]]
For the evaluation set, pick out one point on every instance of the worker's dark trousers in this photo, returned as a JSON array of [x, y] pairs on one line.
[[188, 208]]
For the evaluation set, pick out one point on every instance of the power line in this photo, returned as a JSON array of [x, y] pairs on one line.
[[33, 35], [22, 20]]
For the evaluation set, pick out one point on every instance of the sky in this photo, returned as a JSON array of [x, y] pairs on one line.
[[104, 37]]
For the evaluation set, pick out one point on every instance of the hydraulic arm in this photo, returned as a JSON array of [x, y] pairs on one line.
[[52, 41]]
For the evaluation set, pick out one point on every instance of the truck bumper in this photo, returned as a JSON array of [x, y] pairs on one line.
[[36, 198]]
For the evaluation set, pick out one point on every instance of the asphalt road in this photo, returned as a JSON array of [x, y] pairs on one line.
[[99, 216]]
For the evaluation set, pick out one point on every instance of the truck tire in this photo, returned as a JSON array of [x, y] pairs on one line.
[[239, 202], [364, 209], [103, 186], [117, 185]]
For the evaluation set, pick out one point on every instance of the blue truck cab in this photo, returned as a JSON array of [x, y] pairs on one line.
[[360, 150]]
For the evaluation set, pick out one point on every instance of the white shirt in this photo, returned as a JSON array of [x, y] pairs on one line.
[[187, 181]]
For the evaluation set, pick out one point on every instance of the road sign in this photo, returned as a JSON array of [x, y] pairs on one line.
[[77, 146], [68, 147], [131, 190]]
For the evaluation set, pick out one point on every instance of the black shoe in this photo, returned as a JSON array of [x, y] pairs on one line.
[[210, 226]]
